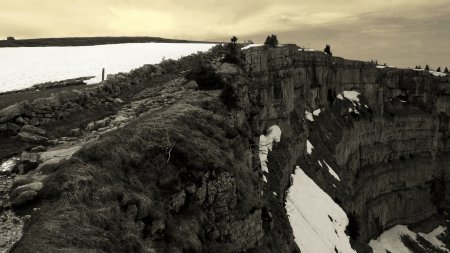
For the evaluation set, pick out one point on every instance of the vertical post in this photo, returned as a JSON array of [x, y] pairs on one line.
[[103, 74]]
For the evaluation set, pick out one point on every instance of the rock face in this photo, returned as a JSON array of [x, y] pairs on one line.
[[187, 177], [393, 156]]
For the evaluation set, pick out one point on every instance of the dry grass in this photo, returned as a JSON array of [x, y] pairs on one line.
[[85, 203]]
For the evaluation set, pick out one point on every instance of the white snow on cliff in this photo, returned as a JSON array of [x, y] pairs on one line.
[[390, 240], [266, 143], [23, 67], [352, 95], [309, 116], [331, 171], [317, 112], [309, 147], [252, 45], [317, 221]]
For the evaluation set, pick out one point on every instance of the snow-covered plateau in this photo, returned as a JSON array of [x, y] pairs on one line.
[[23, 67]]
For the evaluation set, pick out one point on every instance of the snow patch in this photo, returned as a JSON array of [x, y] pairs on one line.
[[309, 147], [390, 240], [320, 164], [266, 143], [435, 73], [251, 45], [316, 112], [307, 49], [352, 95], [331, 171], [432, 238], [317, 221], [339, 96], [381, 66], [309, 116]]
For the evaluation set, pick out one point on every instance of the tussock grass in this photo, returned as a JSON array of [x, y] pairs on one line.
[[108, 195]]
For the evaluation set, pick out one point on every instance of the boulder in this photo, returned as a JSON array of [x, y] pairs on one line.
[[118, 101], [20, 120], [192, 85], [28, 137], [8, 166], [11, 112], [34, 122], [35, 186], [39, 149], [34, 130], [33, 134], [23, 198], [13, 127], [28, 161], [26, 188]]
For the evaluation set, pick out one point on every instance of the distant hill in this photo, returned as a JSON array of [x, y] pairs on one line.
[[87, 41]]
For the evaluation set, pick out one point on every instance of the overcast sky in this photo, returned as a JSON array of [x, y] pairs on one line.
[[400, 32]]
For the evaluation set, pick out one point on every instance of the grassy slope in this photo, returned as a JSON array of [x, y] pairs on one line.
[[87, 41], [83, 204]]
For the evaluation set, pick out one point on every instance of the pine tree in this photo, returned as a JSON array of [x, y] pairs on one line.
[[438, 69], [446, 70], [427, 68], [234, 39], [328, 50], [271, 41]]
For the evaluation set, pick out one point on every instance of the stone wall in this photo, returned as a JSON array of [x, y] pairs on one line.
[[45, 110]]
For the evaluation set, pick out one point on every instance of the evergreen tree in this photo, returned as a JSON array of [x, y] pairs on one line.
[[328, 50], [232, 52], [271, 41], [446, 70], [438, 69], [420, 67], [427, 68]]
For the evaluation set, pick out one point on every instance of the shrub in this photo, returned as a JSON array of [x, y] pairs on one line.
[[229, 97], [205, 76], [232, 53]]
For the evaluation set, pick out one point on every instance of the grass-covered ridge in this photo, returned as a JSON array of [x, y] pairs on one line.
[[119, 193]]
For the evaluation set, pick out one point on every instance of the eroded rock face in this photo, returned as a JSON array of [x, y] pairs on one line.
[[393, 156]]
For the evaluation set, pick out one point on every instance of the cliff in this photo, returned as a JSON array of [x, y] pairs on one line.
[[185, 175]]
